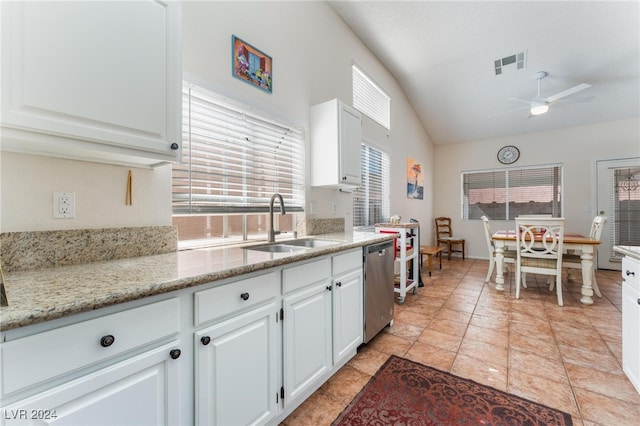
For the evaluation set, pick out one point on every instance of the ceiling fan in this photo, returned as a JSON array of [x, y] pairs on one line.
[[540, 105]]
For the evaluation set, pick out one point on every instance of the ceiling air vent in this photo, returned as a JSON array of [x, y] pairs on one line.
[[510, 63]]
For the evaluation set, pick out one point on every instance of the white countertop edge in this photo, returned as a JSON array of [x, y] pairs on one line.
[[631, 251]]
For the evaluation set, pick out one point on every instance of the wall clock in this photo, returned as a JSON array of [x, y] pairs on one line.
[[508, 154]]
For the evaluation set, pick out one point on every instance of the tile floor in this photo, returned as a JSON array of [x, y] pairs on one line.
[[566, 357]]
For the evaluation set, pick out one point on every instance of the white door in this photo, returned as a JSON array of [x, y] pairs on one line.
[[347, 314], [306, 338], [618, 198], [142, 390], [237, 368]]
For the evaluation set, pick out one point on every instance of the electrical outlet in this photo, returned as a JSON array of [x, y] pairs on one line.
[[64, 205]]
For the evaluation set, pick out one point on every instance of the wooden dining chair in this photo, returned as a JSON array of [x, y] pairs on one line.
[[539, 250], [509, 255], [444, 235], [573, 261]]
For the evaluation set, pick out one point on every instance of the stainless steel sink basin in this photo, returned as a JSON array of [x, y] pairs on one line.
[[310, 242], [276, 248], [293, 245]]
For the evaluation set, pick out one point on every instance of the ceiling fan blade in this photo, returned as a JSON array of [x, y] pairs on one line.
[[528, 102], [567, 92], [508, 111]]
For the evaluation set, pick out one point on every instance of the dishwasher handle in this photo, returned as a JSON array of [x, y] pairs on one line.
[[380, 248]]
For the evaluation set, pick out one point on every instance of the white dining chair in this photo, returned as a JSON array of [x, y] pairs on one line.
[[509, 255], [541, 256], [573, 261]]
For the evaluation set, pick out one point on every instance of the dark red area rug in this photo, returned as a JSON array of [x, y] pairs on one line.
[[404, 392]]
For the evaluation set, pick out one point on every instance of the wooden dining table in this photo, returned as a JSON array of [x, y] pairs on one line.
[[572, 242]]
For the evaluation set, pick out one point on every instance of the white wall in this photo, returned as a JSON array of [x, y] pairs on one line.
[[576, 148], [312, 51]]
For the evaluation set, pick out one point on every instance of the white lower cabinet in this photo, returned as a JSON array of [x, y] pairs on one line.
[[237, 365], [307, 339], [121, 368], [631, 320], [262, 343], [347, 314], [323, 321], [142, 390]]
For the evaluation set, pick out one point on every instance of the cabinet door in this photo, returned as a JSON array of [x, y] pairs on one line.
[[237, 365], [142, 390], [630, 335], [347, 314], [306, 338], [92, 80], [350, 141]]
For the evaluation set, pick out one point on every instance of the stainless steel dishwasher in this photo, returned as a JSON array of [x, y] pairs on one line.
[[378, 288]]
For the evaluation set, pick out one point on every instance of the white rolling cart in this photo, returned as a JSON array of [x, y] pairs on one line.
[[406, 249]]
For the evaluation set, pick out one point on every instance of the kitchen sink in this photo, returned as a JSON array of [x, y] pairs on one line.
[[310, 243], [276, 248], [292, 245]]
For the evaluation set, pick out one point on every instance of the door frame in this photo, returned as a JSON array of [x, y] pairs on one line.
[[602, 195]]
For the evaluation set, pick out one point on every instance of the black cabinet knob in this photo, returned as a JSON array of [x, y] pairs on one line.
[[329, 288], [638, 301], [175, 353], [631, 273], [244, 296], [107, 341], [205, 340], [175, 146]]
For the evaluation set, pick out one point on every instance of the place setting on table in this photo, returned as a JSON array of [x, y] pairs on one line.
[[571, 242]]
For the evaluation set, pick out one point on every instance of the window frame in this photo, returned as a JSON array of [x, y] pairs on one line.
[[224, 143], [384, 187], [465, 211], [369, 98]]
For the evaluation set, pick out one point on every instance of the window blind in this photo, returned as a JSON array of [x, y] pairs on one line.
[[506, 194], [234, 158], [371, 200], [625, 205], [370, 99]]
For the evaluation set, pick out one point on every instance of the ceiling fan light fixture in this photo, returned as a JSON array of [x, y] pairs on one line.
[[539, 108]]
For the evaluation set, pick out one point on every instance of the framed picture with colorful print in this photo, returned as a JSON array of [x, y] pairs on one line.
[[415, 180], [251, 65]]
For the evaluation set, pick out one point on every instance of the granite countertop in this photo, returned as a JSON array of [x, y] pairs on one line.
[[47, 294], [631, 251]]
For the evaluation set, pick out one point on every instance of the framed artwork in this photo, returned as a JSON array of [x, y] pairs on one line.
[[415, 180], [251, 65]]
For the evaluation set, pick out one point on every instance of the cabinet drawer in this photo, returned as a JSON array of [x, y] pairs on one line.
[[347, 261], [631, 271], [39, 357], [221, 301], [300, 276]]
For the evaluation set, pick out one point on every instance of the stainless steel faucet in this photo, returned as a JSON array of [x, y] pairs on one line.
[[272, 232]]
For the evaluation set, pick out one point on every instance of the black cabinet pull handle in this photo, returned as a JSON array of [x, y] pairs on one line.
[[339, 284], [638, 301], [630, 273], [107, 341], [205, 340], [244, 296], [175, 353], [329, 288], [175, 146]]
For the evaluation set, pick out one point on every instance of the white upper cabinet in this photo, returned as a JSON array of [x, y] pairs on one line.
[[91, 80], [336, 136]]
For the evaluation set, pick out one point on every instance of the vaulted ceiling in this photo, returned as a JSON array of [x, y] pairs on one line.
[[443, 55]]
